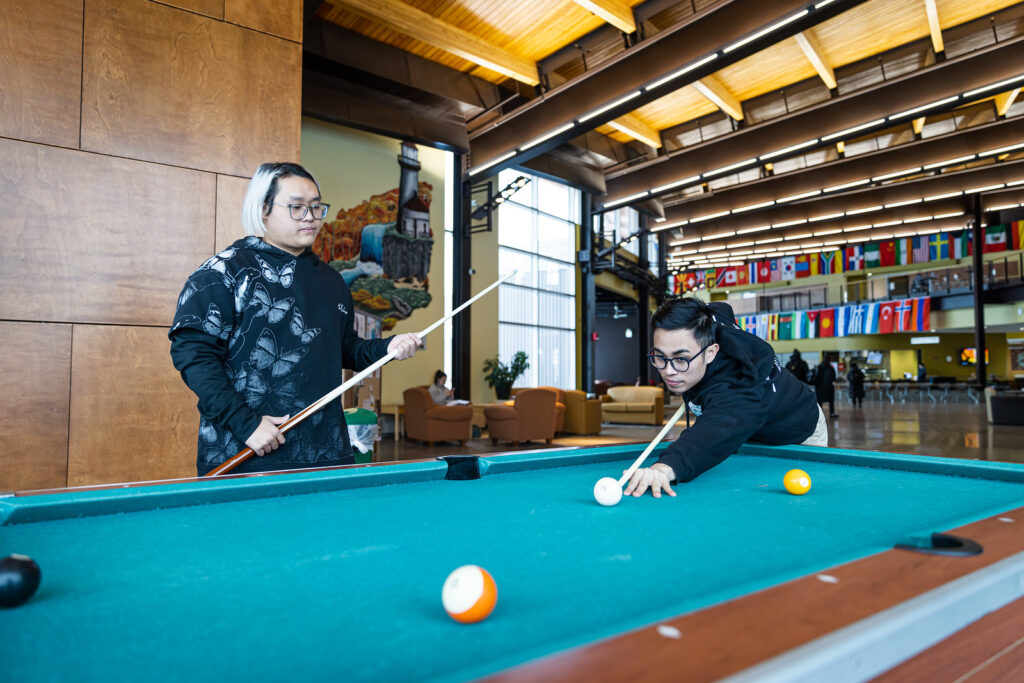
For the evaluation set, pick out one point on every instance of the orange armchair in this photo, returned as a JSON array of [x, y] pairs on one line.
[[560, 408], [582, 414], [429, 422], [531, 417]]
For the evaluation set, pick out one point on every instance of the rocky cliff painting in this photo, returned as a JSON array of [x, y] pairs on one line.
[[382, 246]]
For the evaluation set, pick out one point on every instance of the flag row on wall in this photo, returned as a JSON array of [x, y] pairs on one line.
[[879, 317], [894, 252]]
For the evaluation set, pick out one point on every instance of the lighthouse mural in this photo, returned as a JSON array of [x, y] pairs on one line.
[[382, 246]]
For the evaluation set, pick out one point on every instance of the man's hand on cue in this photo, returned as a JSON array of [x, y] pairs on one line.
[[658, 477], [267, 436], [404, 346]]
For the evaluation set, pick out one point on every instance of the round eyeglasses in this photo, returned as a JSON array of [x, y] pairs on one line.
[[299, 211], [678, 364]]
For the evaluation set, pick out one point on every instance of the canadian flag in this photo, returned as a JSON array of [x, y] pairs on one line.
[[886, 316]]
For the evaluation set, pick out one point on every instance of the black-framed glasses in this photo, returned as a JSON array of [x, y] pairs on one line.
[[299, 211], [678, 364]]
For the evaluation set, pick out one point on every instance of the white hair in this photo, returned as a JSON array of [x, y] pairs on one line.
[[262, 190]]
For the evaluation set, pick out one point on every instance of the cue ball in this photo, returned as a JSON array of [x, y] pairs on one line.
[[607, 491], [19, 578], [797, 482], [469, 594]]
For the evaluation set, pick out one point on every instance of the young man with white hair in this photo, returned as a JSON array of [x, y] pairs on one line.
[[264, 328]]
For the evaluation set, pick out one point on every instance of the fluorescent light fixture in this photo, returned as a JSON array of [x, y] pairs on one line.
[[765, 31], [769, 240], [621, 100], [917, 220], [867, 209], [685, 70], [930, 231], [740, 244], [924, 340], [787, 150], [834, 242], [946, 195], [949, 162], [994, 86], [924, 107], [704, 250], [903, 203], [859, 239], [1015, 183], [669, 226], [685, 252], [691, 240], [794, 197], [855, 228], [827, 217], [751, 207], [659, 220], [844, 133], [846, 186], [624, 200], [492, 162], [799, 221], [709, 216], [833, 231], [758, 228], [896, 174], [1003, 206], [547, 136], [720, 235], [887, 224], [822, 4], [983, 189], [1000, 150], [730, 167], [677, 183], [800, 236]]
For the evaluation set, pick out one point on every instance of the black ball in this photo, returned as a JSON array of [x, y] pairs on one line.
[[19, 578]]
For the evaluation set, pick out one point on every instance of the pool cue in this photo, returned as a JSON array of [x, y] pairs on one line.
[[312, 408], [647, 451]]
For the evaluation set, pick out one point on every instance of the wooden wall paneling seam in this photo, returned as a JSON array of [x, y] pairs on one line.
[[281, 18]]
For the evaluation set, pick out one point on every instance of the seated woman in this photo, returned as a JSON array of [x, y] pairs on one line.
[[438, 391]]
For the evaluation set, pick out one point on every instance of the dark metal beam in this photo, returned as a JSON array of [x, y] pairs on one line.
[[932, 84], [978, 240], [588, 295], [462, 259], [709, 32]]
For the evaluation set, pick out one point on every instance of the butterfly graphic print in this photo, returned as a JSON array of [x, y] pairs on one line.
[[284, 276], [298, 328], [267, 354]]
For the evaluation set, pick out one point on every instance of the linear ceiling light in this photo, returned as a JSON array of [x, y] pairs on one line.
[[546, 136], [765, 31], [685, 70]]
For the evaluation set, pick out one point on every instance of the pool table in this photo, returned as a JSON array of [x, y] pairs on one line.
[[336, 574]]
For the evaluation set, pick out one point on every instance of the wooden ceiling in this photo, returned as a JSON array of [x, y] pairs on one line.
[[530, 30]]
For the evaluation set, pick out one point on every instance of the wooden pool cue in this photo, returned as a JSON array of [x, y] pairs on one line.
[[312, 408], [647, 451]]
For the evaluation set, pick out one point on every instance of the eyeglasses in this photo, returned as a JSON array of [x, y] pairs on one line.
[[299, 211], [678, 364]]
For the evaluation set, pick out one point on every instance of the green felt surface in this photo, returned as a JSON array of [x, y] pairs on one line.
[[345, 583]]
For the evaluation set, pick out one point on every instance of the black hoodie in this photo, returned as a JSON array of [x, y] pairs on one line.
[[745, 395]]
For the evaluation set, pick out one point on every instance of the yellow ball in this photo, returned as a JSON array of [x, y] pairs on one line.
[[797, 482]]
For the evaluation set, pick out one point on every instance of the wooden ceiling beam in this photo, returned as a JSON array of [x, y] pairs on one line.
[[812, 50], [711, 88], [615, 12], [422, 26], [933, 25], [1005, 100], [637, 129]]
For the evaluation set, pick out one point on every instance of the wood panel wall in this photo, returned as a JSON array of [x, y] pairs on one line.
[[127, 131]]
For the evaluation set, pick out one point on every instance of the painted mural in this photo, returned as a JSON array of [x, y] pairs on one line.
[[382, 246]]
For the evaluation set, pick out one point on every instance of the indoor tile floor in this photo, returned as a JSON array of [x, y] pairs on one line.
[[957, 430]]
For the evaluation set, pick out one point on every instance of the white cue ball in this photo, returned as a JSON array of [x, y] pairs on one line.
[[607, 491]]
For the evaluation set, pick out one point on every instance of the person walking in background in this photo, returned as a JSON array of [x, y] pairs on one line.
[[856, 379], [797, 366], [824, 386]]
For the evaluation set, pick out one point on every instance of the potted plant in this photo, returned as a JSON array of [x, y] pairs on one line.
[[501, 377]]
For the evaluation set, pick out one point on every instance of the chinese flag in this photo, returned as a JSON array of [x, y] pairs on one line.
[[887, 250], [826, 322], [886, 317]]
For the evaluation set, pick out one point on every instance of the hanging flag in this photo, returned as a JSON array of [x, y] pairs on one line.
[[776, 270], [923, 314], [870, 318], [854, 258], [764, 271], [812, 324], [710, 277], [741, 275], [995, 239], [872, 255], [750, 324], [887, 253], [725, 277], [903, 310], [920, 249], [785, 326], [762, 326], [799, 324], [855, 323], [938, 246], [802, 265], [752, 272], [842, 315], [959, 244], [904, 251], [826, 322], [773, 327], [1017, 235], [830, 262], [886, 317], [787, 265]]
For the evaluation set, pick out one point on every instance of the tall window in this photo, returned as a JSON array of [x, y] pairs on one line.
[[536, 308]]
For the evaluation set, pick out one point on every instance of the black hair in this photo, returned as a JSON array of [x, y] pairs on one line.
[[438, 375], [686, 313], [282, 169]]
